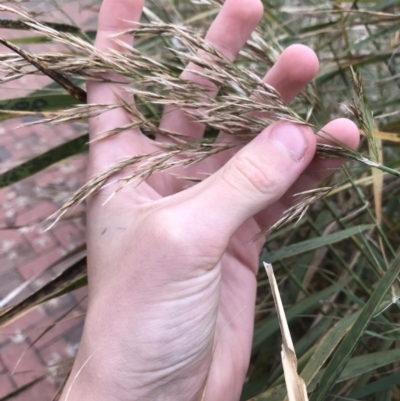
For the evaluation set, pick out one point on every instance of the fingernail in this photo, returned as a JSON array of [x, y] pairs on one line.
[[291, 136]]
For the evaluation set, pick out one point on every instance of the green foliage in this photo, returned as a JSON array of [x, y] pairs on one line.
[[311, 244], [39, 163]]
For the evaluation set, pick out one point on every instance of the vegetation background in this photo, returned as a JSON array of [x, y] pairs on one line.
[[337, 257]]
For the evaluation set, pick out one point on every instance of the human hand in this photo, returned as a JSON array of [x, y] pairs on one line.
[[172, 271]]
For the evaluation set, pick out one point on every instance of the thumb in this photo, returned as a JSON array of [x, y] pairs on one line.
[[256, 177]]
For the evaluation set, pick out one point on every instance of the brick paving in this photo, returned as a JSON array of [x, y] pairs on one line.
[[41, 345], [44, 341]]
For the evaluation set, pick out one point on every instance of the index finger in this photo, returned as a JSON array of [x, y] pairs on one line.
[[115, 16]]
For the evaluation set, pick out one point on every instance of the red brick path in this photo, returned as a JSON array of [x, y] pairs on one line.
[[43, 342], [27, 250]]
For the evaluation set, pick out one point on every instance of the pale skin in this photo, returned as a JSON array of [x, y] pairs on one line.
[[172, 267]]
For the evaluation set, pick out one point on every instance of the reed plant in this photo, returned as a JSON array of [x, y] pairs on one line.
[[336, 251]]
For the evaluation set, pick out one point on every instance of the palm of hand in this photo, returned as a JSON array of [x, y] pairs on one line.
[[211, 285], [183, 272]]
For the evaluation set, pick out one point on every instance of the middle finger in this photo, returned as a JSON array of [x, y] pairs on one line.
[[228, 34]]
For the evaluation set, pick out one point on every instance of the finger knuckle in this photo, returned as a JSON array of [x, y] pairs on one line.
[[249, 174]]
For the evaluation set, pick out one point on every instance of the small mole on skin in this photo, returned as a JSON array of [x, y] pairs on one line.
[[104, 231]]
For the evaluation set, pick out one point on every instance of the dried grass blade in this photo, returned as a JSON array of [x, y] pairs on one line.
[[21, 25], [75, 91], [377, 177], [385, 136], [295, 385], [74, 271]]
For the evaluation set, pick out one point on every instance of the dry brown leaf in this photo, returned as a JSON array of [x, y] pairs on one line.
[[377, 177], [385, 136], [296, 388]]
